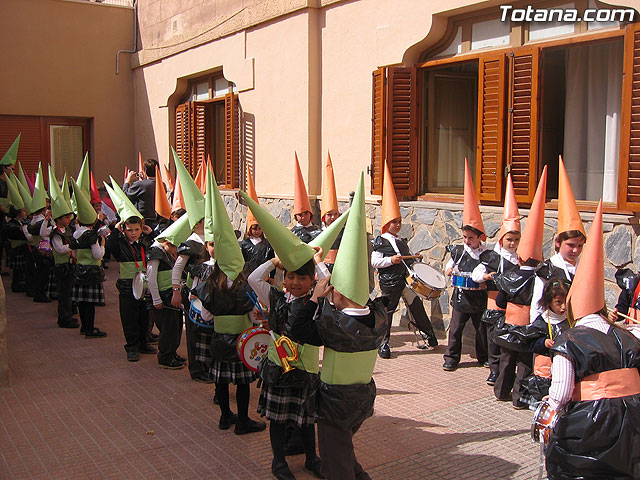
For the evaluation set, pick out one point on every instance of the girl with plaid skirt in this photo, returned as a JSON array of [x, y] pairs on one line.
[[19, 252]]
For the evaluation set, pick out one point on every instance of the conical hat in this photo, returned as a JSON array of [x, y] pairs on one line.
[[30, 183], [199, 179], [208, 210], [11, 155], [65, 188], [329, 235], [83, 179], [95, 195], [207, 166], [300, 198], [390, 205], [227, 249], [39, 199], [140, 163], [251, 191], [292, 251], [126, 209], [178, 198], [13, 194], [163, 208], [471, 211], [59, 206], [351, 268], [329, 197], [177, 232], [568, 214], [86, 213], [193, 198], [586, 294], [530, 247], [24, 193], [510, 215], [22, 177], [168, 179]]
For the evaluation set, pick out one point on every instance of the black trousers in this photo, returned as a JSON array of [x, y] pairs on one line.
[[87, 311], [414, 306], [494, 350], [134, 317], [169, 322], [196, 368], [337, 453], [30, 272], [508, 380], [42, 266], [458, 321], [64, 283]]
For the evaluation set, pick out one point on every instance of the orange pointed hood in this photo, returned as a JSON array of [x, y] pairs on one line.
[[510, 216], [329, 197], [140, 163], [200, 176], [301, 202], [530, 246], [168, 179], [178, 199], [251, 191], [586, 294], [163, 208], [390, 205], [471, 211], [568, 215]]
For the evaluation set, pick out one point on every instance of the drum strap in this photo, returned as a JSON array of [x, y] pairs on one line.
[[133, 252], [308, 356], [621, 382]]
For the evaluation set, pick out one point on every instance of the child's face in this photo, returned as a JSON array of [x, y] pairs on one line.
[[559, 305], [255, 230], [210, 249], [303, 218], [571, 249], [21, 214], [297, 285], [471, 240], [394, 226], [511, 241], [330, 217], [132, 231], [65, 221]]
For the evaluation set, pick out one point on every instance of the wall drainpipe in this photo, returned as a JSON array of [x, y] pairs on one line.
[[135, 37]]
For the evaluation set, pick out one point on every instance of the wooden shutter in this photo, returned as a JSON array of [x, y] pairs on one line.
[[629, 171], [402, 129], [199, 129], [32, 148], [183, 140], [376, 170], [490, 137], [232, 140], [522, 150]]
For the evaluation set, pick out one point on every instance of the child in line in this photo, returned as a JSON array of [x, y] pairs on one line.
[[62, 245]]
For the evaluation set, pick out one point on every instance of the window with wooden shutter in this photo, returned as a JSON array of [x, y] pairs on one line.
[[232, 140], [199, 129], [629, 173], [490, 137], [402, 129], [183, 139], [376, 170], [32, 148], [522, 148]]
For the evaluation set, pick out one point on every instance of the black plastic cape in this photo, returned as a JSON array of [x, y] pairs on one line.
[[518, 286], [597, 439]]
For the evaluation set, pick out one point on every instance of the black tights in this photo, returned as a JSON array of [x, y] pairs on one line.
[[277, 437], [87, 312], [242, 400]]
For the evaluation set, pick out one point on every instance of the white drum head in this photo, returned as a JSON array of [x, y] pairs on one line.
[[429, 275], [138, 285], [196, 304]]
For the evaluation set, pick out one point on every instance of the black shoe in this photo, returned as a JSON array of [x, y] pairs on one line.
[[72, 323], [432, 341], [281, 470], [315, 467], [520, 405], [172, 365], [132, 356], [491, 379], [18, 289], [153, 339], [449, 366], [227, 420], [202, 378], [100, 304], [95, 333], [180, 359], [147, 349], [42, 299], [250, 426], [215, 399], [484, 364], [384, 351], [503, 399]]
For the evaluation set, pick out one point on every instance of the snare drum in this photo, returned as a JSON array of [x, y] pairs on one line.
[[463, 281], [139, 286], [195, 314], [253, 346], [544, 421], [426, 282]]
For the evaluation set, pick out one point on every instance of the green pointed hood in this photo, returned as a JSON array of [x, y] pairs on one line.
[[86, 213], [23, 178], [329, 235], [11, 155], [59, 206], [191, 193], [13, 195], [84, 179], [126, 209], [227, 249], [65, 189], [350, 274], [177, 232], [39, 199], [24, 192], [292, 251], [208, 208]]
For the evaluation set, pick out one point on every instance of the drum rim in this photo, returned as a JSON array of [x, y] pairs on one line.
[[242, 341]]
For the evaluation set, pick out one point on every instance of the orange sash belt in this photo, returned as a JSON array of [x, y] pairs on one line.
[[517, 314], [491, 301], [621, 382], [331, 256], [542, 366]]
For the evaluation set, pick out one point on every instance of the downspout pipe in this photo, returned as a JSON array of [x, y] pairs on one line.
[[135, 37]]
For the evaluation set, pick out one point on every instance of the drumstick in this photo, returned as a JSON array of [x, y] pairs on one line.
[[627, 317], [257, 304], [409, 257]]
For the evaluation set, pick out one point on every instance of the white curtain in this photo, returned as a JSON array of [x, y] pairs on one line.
[[592, 119]]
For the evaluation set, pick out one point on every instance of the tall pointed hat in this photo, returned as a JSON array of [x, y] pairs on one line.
[[471, 210], [30, 183], [39, 199], [86, 213], [568, 214], [177, 232], [163, 208], [24, 192], [83, 179], [178, 198], [65, 188], [329, 197], [59, 205], [292, 251], [390, 205], [351, 269], [301, 202], [168, 179], [13, 194], [510, 215], [200, 179], [126, 209], [22, 177], [193, 198], [329, 234], [251, 191], [586, 294], [530, 246], [11, 155], [228, 254], [95, 195]]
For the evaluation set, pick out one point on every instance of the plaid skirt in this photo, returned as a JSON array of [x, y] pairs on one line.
[[231, 372], [52, 288], [93, 293], [16, 261], [202, 352], [286, 405]]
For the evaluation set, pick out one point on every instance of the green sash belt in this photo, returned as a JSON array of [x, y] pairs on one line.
[[342, 368], [35, 240], [190, 281], [128, 270], [17, 243], [60, 258], [308, 356], [232, 324], [164, 280], [85, 257]]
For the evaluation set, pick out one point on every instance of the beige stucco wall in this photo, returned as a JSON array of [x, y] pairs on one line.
[[58, 59]]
